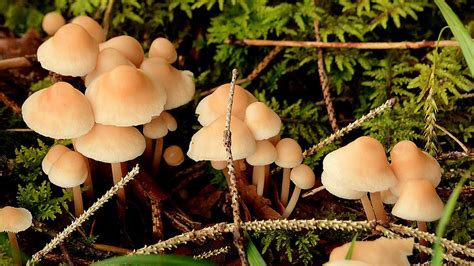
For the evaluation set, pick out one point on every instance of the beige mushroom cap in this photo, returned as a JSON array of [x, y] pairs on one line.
[[179, 85], [409, 162], [382, 251], [362, 164], [264, 154], [173, 155], [163, 48], [262, 121], [59, 112], [388, 197], [289, 153], [70, 52], [125, 96], [128, 46], [215, 105], [111, 144], [219, 165], [91, 26], [52, 21], [14, 219], [52, 156], [344, 262], [418, 201], [208, 142], [70, 170], [303, 176], [170, 121], [341, 190], [156, 128], [108, 59]]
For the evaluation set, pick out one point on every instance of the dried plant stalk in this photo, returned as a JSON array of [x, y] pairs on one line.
[[81, 219], [212, 253]]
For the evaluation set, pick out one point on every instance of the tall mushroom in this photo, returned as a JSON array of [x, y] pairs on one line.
[[289, 155], [264, 155], [303, 178], [14, 220]]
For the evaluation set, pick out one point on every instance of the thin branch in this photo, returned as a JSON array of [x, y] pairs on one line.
[[313, 191], [107, 17], [238, 238], [9, 103], [371, 115], [256, 72], [16, 62], [212, 253], [81, 219], [354, 45], [463, 147], [323, 79], [453, 155]]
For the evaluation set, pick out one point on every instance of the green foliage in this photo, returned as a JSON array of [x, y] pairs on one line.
[[298, 247], [253, 255], [28, 161], [351, 247], [383, 10], [5, 258], [40, 84], [152, 260]]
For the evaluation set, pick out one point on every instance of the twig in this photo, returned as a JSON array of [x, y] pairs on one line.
[[217, 230], [463, 147], [313, 191], [16, 62], [256, 72], [323, 79], [453, 155], [238, 238], [81, 219], [212, 253], [371, 115], [355, 45], [107, 16], [9, 103], [113, 249]]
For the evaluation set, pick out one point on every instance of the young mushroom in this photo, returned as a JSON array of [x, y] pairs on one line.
[[264, 155], [91, 26], [52, 21], [173, 155], [289, 155], [303, 178], [14, 220], [163, 48], [128, 46]]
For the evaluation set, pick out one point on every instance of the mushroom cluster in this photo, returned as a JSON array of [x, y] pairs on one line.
[[123, 90], [255, 137], [408, 182]]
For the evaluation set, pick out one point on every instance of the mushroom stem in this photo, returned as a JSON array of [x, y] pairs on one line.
[[423, 228], [259, 175], [157, 157], [369, 212], [148, 154], [377, 204], [254, 176], [285, 186], [291, 205], [78, 204], [88, 182], [117, 176], [14, 247], [267, 179]]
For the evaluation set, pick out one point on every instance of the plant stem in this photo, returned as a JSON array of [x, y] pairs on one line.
[[148, 153], [377, 204], [369, 212], [259, 175], [157, 157], [292, 203], [78, 204], [14, 247], [285, 186]]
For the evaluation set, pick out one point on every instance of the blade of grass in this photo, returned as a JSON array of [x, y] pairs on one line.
[[460, 33], [351, 247], [437, 258], [157, 260], [253, 255]]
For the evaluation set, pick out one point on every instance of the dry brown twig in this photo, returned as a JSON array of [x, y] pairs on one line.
[[237, 231], [16, 62], [353, 45], [463, 147], [9, 103], [107, 17], [323, 79]]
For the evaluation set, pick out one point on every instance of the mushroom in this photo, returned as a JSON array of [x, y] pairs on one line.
[[70, 171], [303, 178], [419, 202], [264, 155], [128, 46], [125, 97], [14, 220], [289, 155], [382, 251], [179, 85], [363, 166], [59, 111], [52, 21], [262, 121], [173, 155], [108, 59], [91, 26], [70, 52], [163, 48], [52, 156], [156, 130]]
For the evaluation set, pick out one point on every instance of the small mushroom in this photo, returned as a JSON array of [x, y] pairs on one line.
[[91, 26], [14, 220], [264, 155], [173, 155], [262, 121], [108, 59], [289, 155], [128, 46], [303, 178], [52, 21], [163, 48]]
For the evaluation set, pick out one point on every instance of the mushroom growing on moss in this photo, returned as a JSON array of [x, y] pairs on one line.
[[264, 155], [14, 220], [303, 178]]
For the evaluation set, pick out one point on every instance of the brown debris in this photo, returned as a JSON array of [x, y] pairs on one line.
[[203, 203]]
